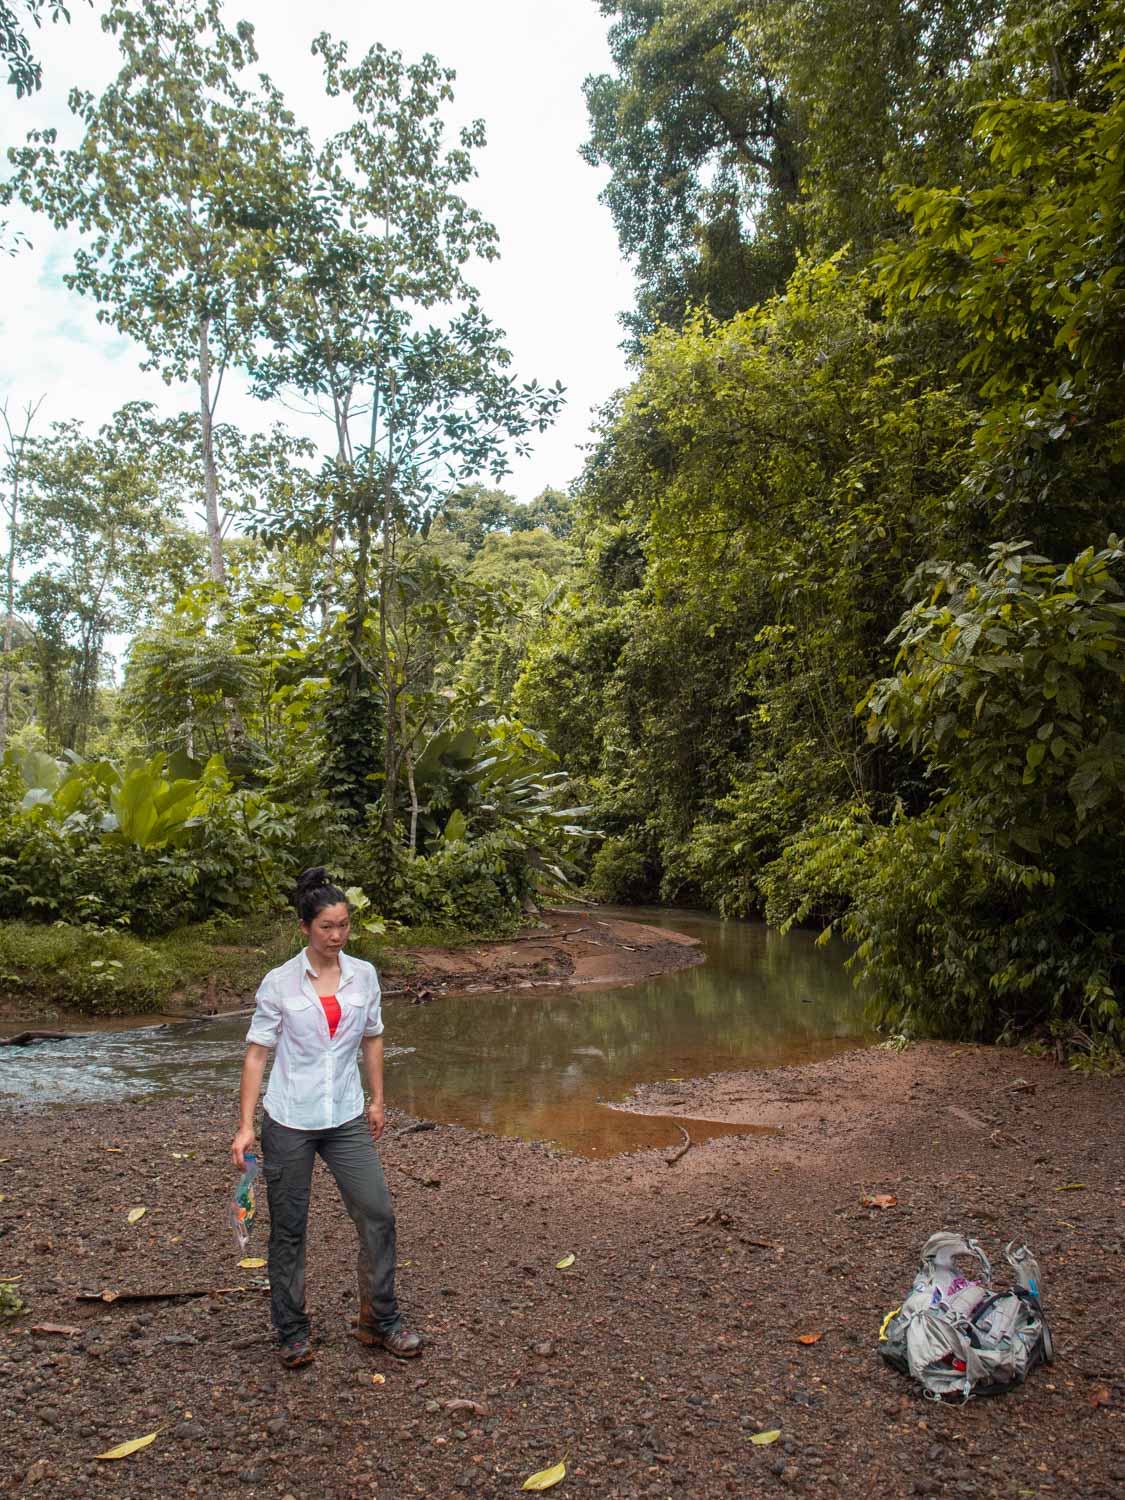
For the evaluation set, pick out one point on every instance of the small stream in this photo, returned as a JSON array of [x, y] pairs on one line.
[[544, 1064]]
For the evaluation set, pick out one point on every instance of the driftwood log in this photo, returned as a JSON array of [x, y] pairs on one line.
[[25, 1038]]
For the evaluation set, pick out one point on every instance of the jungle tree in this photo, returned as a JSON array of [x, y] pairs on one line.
[[378, 242], [176, 187]]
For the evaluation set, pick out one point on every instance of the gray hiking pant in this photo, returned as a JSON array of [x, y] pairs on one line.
[[350, 1155]]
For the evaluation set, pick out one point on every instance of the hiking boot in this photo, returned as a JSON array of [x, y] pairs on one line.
[[395, 1341], [295, 1353]]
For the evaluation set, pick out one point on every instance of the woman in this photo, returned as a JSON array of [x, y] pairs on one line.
[[318, 1010]]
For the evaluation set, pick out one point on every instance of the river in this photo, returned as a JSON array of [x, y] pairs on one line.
[[543, 1064]]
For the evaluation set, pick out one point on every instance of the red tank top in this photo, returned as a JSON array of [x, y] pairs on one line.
[[331, 1012]]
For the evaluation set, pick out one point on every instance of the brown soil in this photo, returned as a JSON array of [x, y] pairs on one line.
[[650, 1363]]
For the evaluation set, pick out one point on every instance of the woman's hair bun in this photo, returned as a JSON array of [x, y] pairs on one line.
[[312, 879]]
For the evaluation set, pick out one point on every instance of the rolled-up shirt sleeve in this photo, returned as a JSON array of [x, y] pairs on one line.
[[373, 1021], [266, 1021]]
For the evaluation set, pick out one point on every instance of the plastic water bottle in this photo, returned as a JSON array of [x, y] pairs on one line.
[[243, 1204], [1025, 1268]]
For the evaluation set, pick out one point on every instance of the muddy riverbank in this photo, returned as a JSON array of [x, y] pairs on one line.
[[650, 1362]]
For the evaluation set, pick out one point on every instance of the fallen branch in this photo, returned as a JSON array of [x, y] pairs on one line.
[[670, 1161], [541, 937], [108, 1295], [416, 1127], [22, 1038]]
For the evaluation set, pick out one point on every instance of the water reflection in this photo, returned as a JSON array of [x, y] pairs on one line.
[[541, 1063]]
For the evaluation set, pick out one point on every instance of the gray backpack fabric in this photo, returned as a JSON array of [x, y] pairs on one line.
[[955, 1335]]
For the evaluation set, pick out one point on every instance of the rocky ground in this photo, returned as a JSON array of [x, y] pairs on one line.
[[649, 1364]]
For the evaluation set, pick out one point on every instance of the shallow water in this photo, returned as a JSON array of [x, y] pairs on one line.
[[543, 1064]]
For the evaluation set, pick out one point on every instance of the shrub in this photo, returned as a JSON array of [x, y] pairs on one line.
[[99, 972], [620, 873]]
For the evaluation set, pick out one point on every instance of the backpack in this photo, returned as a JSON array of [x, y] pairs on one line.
[[955, 1335]]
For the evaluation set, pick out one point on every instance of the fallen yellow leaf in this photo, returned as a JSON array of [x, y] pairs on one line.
[[117, 1150], [564, 1265], [809, 1338], [378, 1380], [136, 1213], [1, 1197], [123, 1450], [183, 1155], [546, 1478], [762, 1438], [252, 1263], [1071, 1187]]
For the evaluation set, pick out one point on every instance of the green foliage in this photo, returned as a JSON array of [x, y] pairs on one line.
[[1001, 905], [1010, 686], [749, 516], [480, 886], [738, 135], [700, 143], [619, 873], [1026, 262], [98, 971], [951, 939], [24, 72]]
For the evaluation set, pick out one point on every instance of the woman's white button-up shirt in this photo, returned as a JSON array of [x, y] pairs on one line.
[[314, 1083]]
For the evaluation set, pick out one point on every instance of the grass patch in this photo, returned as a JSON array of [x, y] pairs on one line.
[[104, 972]]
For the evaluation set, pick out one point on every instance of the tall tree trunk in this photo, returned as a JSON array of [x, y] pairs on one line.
[[210, 475], [390, 684], [16, 446], [9, 611]]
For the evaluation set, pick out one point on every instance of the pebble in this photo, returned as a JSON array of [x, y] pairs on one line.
[[276, 1426]]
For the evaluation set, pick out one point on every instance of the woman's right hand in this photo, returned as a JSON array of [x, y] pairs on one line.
[[243, 1140]]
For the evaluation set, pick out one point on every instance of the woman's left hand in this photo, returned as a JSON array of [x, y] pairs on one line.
[[376, 1118]]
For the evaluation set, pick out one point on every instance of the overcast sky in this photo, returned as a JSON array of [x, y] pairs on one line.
[[557, 289]]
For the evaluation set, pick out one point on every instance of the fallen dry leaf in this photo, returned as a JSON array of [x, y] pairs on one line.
[[183, 1155], [378, 1379], [123, 1450], [564, 1265], [136, 1213], [762, 1438], [252, 1263], [64, 1328], [546, 1478], [809, 1338], [879, 1200], [1101, 1397], [117, 1150]]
